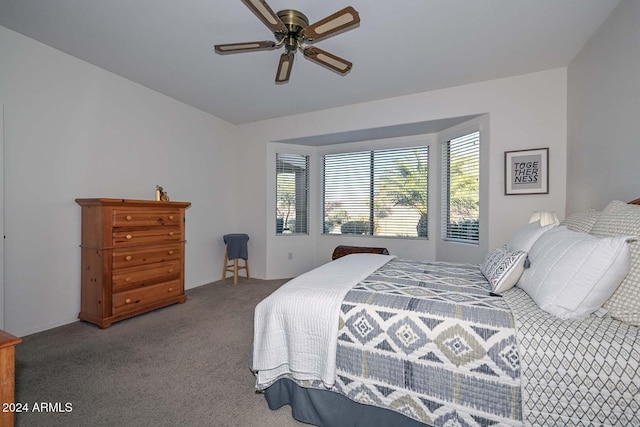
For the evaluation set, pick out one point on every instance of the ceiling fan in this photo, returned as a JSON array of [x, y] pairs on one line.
[[292, 30]]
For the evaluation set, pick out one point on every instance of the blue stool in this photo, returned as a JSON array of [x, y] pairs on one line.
[[236, 248]]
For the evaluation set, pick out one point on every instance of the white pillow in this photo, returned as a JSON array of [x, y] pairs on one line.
[[525, 237], [503, 267], [572, 273]]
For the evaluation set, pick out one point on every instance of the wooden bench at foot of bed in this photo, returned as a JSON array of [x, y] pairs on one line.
[[342, 250]]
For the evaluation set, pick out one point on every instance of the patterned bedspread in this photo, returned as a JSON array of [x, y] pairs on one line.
[[576, 373], [429, 340]]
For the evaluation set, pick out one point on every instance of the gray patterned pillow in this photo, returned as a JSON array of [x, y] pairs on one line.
[[616, 219], [582, 221], [503, 267]]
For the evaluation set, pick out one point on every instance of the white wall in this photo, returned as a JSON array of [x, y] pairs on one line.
[[527, 111], [74, 130], [603, 112]]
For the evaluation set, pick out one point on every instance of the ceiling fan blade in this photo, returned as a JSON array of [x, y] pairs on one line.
[[245, 46], [327, 59], [332, 24], [284, 67], [266, 15]]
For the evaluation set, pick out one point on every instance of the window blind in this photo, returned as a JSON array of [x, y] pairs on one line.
[[292, 193], [461, 188], [376, 192]]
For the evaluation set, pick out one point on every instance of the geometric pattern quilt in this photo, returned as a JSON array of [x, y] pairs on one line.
[[576, 373], [430, 340]]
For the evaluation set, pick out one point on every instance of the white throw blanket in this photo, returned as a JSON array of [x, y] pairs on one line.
[[296, 327]]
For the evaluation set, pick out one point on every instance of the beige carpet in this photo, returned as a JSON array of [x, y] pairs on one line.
[[183, 365]]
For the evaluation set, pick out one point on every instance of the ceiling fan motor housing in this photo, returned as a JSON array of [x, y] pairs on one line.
[[294, 21]]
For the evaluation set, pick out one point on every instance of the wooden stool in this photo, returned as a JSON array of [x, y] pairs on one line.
[[236, 249]]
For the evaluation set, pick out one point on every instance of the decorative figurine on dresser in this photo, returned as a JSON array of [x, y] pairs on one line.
[[132, 257]]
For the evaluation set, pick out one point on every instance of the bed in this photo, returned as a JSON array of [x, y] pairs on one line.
[[374, 340]]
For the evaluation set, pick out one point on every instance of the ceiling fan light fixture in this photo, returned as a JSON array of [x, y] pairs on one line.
[[291, 45]]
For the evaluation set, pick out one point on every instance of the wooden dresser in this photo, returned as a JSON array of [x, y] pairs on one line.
[[132, 257], [7, 377]]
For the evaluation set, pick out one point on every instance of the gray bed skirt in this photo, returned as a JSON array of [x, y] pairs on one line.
[[328, 409]]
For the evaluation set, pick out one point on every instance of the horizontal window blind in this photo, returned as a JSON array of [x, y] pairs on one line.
[[376, 192], [292, 193], [461, 188]]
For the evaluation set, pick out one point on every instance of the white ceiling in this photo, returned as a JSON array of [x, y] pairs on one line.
[[399, 47]]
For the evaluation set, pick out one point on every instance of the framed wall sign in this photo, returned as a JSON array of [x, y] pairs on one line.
[[526, 171]]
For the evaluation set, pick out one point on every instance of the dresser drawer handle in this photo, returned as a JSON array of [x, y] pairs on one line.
[[127, 301], [171, 270], [170, 289], [128, 217], [171, 217], [128, 257], [127, 279], [170, 252], [171, 233], [128, 236]]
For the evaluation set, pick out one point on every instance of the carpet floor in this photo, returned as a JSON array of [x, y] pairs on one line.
[[182, 365]]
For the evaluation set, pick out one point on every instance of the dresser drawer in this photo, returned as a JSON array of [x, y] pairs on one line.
[[124, 302], [148, 236], [143, 217], [133, 257], [127, 278], [130, 257]]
